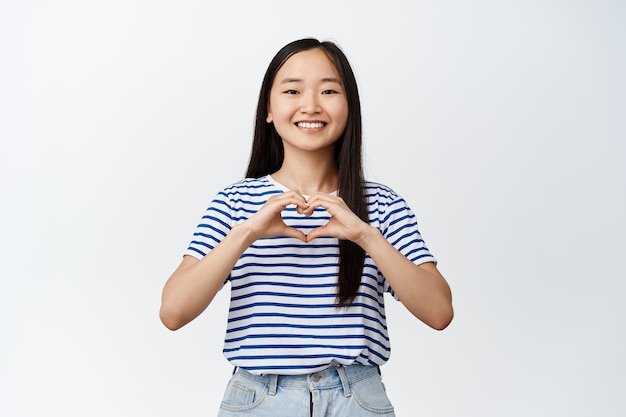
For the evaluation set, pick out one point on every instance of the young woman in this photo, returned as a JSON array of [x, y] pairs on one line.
[[309, 248]]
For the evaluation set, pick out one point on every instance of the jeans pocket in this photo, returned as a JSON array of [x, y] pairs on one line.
[[370, 394], [243, 394]]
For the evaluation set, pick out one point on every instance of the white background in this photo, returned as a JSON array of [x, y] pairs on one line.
[[501, 122]]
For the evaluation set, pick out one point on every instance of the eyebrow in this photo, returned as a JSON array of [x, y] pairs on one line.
[[326, 79]]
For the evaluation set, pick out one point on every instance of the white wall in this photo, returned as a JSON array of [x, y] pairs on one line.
[[501, 122]]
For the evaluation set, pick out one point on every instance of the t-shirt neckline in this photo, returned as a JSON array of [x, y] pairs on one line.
[[284, 189]]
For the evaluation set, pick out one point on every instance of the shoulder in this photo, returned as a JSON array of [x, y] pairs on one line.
[[385, 205], [250, 186], [380, 193], [248, 191]]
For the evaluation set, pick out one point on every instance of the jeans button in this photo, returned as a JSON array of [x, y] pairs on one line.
[[316, 377]]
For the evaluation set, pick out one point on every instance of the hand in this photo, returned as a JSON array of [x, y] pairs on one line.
[[267, 222], [343, 223]]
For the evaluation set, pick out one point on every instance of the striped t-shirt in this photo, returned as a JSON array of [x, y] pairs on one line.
[[282, 317]]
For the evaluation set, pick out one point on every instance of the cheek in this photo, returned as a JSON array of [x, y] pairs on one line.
[[280, 108], [340, 114]]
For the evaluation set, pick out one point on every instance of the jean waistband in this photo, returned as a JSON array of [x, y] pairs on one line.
[[332, 377]]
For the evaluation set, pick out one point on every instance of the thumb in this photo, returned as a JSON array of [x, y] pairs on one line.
[[317, 232], [295, 233]]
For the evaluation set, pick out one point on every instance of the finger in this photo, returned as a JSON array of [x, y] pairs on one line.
[[322, 231], [295, 233], [308, 210], [295, 193], [300, 194], [280, 202], [329, 202], [334, 208], [295, 197], [324, 196]]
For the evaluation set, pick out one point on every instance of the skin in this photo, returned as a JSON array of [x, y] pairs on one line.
[[306, 89]]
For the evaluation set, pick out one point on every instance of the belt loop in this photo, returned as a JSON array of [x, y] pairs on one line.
[[344, 381], [273, 384]]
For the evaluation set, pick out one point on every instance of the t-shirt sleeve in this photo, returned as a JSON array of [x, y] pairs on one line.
[[398, 225], [215, 224]]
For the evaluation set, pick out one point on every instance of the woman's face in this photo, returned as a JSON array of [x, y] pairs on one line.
[[308, 104]]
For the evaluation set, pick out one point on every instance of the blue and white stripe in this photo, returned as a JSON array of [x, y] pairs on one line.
[[282, 316]]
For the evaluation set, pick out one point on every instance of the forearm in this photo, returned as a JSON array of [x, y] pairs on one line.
[[422, 289], [192, 287]]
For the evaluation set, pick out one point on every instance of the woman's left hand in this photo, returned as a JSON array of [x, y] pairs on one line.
[[343, 223]]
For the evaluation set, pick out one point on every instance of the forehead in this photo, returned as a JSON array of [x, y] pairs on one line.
[[311, 64]]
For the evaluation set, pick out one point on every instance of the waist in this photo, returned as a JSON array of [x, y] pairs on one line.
[[333, 376]]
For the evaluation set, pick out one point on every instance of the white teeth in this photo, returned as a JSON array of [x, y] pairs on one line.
[[314, 125]]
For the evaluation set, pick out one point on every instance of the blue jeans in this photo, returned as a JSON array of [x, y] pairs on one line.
[[341, 391]]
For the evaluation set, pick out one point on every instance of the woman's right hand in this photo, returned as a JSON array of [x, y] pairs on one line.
[[268, 222]]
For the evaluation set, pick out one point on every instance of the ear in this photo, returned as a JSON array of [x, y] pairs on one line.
[[269, 118]]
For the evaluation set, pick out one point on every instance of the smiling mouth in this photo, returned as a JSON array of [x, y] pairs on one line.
[[311, 125]]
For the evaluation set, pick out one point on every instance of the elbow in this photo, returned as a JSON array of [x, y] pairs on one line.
[[442, 319], [171, 319], [438, 317]]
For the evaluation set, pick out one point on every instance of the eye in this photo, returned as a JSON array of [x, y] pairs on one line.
[[329, 92], [291, 92]]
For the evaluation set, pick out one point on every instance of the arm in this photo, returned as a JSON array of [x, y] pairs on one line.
[[192, 286], [421, 288]]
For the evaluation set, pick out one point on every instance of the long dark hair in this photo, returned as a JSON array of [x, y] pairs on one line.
[[268, 153]]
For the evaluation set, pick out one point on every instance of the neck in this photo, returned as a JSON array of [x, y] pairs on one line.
[[308, 173]]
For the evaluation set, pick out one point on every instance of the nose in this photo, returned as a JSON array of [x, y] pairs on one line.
[[310, 104]]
